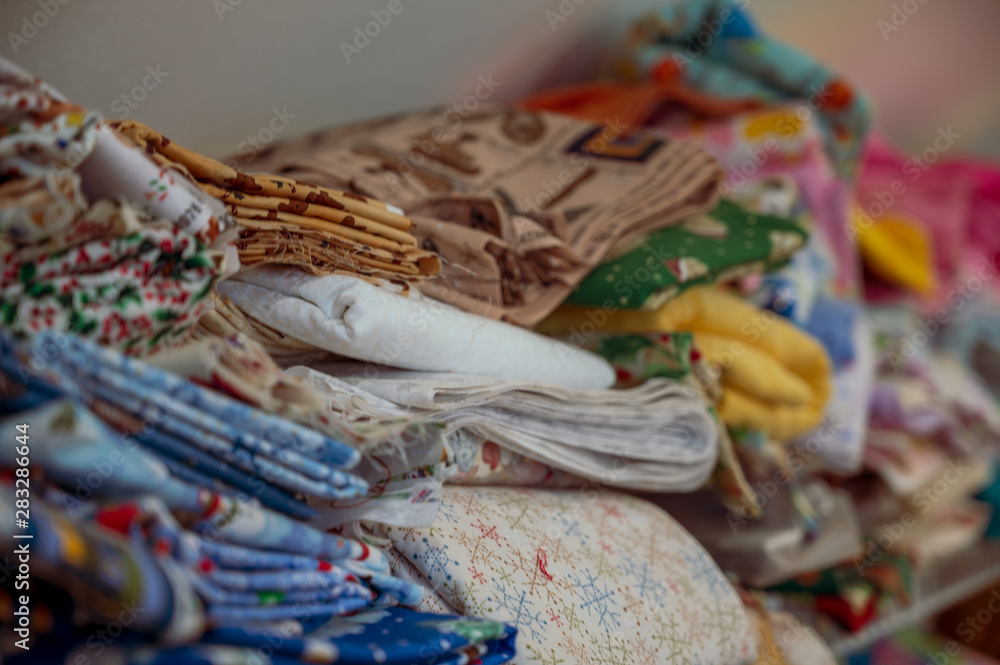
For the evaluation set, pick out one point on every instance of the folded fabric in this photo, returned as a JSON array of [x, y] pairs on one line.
[[632, 103], [724, 244], [521, 205], [658, 436], [225, 319], [897, 251], [587, 576], [832, 322], [240, 367], [479, 461], [346, 316], [63, 153], [285, 221], [638, 358], [941, 215], [117, 168], [739, 62], [764, 149], [790, 290], [973, 335], [302, 609], [89, 460], [775, 378], [41, 128], [840, 446], [140, 292], [929, 394], [776, 547], [288, 455], [40, 210], [89, 561]]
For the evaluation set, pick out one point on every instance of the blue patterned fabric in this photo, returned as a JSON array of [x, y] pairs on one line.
[[713, 46]]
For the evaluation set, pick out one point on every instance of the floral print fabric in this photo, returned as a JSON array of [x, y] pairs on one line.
[[140, 292]]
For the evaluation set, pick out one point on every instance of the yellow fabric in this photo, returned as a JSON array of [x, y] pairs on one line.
[[897, 249], [775, 378]]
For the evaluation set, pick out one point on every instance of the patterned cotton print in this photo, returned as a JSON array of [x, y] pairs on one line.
[[589, 578], [722, 245], [140, 293]]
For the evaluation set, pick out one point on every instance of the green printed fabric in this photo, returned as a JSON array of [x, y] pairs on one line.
[[725, 244]]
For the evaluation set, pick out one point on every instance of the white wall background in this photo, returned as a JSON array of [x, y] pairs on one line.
[[227, 70]]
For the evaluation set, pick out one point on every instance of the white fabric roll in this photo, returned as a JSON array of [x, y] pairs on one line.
[[350, 317]]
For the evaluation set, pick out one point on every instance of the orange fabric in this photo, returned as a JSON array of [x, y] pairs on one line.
[[631, 103]]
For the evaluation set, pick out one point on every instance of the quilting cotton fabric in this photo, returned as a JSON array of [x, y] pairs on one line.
[[952, 209], [288, 222], [117, 168], [140, 292], [780, 142], [638, 358], [521, 205], [776, 378], [41, 128], [594, 577], [349, 317], [721, 245], [658, 436], [740, 63]]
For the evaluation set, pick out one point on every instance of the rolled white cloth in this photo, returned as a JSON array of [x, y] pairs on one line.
[[348, 316]]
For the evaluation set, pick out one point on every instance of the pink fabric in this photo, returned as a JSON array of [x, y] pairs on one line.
[[777, 142], [957, 201]]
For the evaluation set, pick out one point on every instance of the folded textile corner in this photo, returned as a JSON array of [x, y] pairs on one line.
[[721, 245], [349, 317], [775, 378]]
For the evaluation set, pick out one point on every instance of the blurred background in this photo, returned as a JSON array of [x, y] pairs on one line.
[[227, 67]]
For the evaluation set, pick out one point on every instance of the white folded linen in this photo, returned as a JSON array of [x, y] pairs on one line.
[[350, 317], [656, 437]]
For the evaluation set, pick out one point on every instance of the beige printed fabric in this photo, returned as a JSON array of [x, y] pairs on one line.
[[288, 222], [520, 205]]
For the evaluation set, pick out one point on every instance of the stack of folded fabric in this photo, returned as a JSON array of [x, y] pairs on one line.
[[238, 570], [521, 205], [86, 248], [289, 222], [658, 436], [647, 286], [190, 599], [346, 316]]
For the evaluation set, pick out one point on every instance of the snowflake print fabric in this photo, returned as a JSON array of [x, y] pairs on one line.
[[586, 578]]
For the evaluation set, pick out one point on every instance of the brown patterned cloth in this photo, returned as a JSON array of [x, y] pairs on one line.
[[521, 205], [288, 222]]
